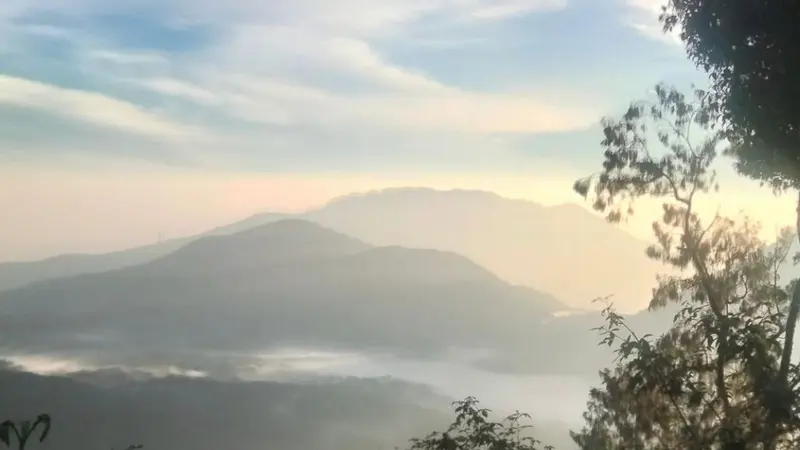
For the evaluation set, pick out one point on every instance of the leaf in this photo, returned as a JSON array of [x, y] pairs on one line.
[[5, 432], [25, 430], [44, 419]]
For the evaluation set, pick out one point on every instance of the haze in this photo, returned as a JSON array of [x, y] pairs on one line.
[[312, 225]]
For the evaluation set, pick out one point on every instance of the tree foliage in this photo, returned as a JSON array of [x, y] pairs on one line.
[[751, 50], [17, 435], [721, 377], [21, 432], [473, 429]]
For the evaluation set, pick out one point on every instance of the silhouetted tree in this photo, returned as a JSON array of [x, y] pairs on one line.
[[721, 377], [473, 429], [751, 50], [21, 432]]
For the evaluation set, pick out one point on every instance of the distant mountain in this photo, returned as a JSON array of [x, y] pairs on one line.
[[113, 409], [564, 250], [283, 242], [17, 274], [291, 282]]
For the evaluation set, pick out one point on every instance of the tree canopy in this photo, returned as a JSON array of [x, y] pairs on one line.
[[751, 51], [721, 377]]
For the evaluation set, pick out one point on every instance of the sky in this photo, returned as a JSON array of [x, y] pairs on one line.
[[124, 122]]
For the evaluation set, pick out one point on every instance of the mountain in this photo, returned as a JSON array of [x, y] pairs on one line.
[[113, 409], [288, 283], [564, 250], [17, 274], [283, 242]]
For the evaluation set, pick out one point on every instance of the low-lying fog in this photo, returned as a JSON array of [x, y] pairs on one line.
[[559, 398]]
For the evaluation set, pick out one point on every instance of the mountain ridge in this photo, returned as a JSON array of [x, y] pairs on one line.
[[522, 242], [354, 295]]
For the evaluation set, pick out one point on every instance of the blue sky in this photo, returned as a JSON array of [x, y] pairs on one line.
[[312, 85], [188, 99]]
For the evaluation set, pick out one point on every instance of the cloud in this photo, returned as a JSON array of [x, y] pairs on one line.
[[254, 79], [370, 17], [642, 16], [138, 58], [168, 86], [427, 109], [369, 90], [349, 17], [361, 60], [513, 8], [476, 113], [90, 107]]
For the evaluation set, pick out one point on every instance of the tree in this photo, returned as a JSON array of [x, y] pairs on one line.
[[751, 50], [720, 378], [23, 431], [473, 429]]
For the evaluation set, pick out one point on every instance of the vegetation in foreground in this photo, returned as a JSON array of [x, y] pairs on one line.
[[20, 433], [721, 377]]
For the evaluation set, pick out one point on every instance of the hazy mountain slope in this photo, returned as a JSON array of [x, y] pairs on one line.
[[290, 282], [564, 250], [283, 242], [112, 409], [17, 274]]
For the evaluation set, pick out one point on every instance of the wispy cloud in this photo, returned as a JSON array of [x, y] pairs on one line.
[[291, 84], [358, 58], [513, 8], [173, 87], [642, 15], [253, 79], [364, 17], [430, 108], [90, 107], [138, 58]]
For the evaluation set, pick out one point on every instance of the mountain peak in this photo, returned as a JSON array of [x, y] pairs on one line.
[[415, 194], [565, 249], [285, 240], [284, 227]]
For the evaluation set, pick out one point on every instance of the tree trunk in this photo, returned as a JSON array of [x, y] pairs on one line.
[[791, 319]]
